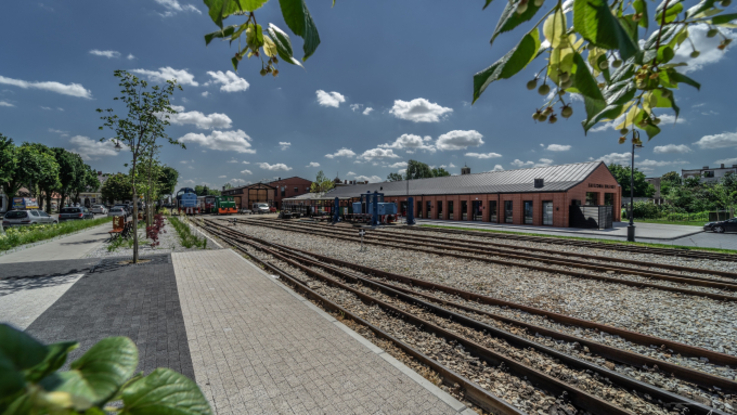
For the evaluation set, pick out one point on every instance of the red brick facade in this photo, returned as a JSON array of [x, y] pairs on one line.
[[289, 187], [599, 183]]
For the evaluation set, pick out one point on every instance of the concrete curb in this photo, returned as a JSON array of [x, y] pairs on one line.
[[448, 399], [45, 241]]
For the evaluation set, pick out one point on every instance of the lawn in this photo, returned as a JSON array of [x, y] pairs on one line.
[[699, 223], [17, 236], [606, 241]]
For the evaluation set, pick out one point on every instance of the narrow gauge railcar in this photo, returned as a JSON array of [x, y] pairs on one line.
[[209, 204], [225, 205]]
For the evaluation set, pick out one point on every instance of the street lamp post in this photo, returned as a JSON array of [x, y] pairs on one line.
[[636, 143]]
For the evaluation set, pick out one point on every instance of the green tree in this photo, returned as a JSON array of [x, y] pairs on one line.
[[668, 181], [117, 187], [723, 196], [417, 170], [86, 182], [168, 180], [35, 167], [145, 122], [321, 184], [71, 171], [439, 172], [623, 176], [227, 186], [8, 165], [394, 177]]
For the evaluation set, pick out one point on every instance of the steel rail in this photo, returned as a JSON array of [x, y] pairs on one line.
[[635, 337], [414, 247], [514, 340], [674, 252]]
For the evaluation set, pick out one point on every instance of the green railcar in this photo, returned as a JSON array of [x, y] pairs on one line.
[[225, 205]]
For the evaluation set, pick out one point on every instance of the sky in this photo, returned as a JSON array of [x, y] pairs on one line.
[[391, 81]]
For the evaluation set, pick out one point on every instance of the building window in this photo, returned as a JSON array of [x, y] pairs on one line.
[[419, 209], [283, 191], [428, 207], [608, 199], [476, 210], [464, 210], [508, 211], [492, 211], [440, 209], [296, 190], [450, 210], [591, 198], [708, 173], [547, 213], [527, 207]]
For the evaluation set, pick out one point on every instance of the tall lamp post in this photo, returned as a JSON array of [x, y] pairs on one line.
[[636, 143]]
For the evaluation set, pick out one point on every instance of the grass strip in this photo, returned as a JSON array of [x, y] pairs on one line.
[[578, 238], [186, 237], [22, 235]]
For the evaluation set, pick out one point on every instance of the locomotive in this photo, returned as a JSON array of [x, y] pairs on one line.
[[187, 201]]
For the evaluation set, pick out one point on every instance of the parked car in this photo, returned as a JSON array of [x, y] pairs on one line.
[[261, 208], [98, 209], [27, 217], [75, 213], [116, 211], [128, 210], [729, 225]]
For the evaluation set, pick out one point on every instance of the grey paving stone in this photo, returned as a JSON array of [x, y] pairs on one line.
[[293, 359]]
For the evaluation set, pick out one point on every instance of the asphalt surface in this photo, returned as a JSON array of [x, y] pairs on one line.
[[140, 302]]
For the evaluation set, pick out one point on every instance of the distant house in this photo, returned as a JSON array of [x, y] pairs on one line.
[[709, 175]]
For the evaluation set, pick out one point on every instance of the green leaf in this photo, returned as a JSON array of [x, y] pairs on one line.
[[18, 352], [665, 54], [584, 82], [629, 25], [670, 14], [704, 5], [283, 45], [651, 131], [678, 77], [221, 9], [254, 36], [555, 27], [234, 61], [98, 374], [594, 20], [488, 2], [640, 6], [165, 392], [55, 358], [510, 19], [620, 92], [724, 18], [269, 47], [299, 20], [223, 33], [609, 112], [514, 61]]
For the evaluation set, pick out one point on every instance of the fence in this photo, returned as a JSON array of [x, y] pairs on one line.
[[597, 217]]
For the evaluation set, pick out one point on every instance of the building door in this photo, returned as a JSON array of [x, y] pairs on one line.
[[440, 209], [547, 213], [464, 210], [476, 210], [238, 202], [419, 209], [450, 210], [527, 204], [508, 211], [428, 206], [608, 199], [403, 208], [492, 214]]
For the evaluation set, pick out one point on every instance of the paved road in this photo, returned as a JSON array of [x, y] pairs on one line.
[[69, 247]]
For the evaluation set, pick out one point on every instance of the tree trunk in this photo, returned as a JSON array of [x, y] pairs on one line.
[[48, 202], [135, 212]]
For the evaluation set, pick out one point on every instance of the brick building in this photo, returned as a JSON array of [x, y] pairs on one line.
[[535, 196], [269, 192], [289, 187]]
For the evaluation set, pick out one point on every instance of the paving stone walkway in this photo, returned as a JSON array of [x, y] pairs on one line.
[[258, 348]]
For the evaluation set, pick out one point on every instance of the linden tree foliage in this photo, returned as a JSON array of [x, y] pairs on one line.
[[263, 42], [616, 55], [31, 382]]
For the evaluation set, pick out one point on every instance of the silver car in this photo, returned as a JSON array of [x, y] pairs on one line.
[[98, 209], [27, 217], [116, 211]]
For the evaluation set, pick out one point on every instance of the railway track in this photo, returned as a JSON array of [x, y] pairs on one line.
[[673, 252], [573, 268], [589, 387]]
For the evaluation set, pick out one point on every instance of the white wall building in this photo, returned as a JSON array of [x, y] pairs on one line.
[[707, 174]]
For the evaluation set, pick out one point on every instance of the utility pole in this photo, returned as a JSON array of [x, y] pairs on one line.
[[636, 143]]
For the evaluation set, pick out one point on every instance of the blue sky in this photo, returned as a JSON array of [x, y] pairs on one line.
[[391, 80]]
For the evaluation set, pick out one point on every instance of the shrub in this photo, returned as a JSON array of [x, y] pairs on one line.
[[21, 235], [186, 236]]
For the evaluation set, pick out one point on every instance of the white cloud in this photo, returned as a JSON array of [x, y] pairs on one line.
[[75, 90], [237, 141], [164, 74], [6, 104], [378, 154], [658, 163], [130, 57], [558, 147], [184, 162], [411, 142], [459, 140], [284, 145], [233, 160], [367, 111], [238, 181], [419, 110], [398, 164], [350, 173], [110, 54], [93, 149], [497, 167], [63, 133], [205, 94], [229, 80], [616, 158], [329, 99], [723, 140], [484, 155], [246, 162], [707, 47], [173, 6], [222, 176], [190, 167], [343, 152], [670, 119], [728, 162], [274, 167], [246, 171], [198, 119], [543, 162], [672, 148], [356, 107], [372, 179], [313, 164], [46, 108], [451, 165]]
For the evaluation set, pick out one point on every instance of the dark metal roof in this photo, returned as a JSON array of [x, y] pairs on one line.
[[556, 179]]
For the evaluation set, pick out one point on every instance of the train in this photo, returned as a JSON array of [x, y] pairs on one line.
[[349, 209], [219, 205], [187, 201]]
